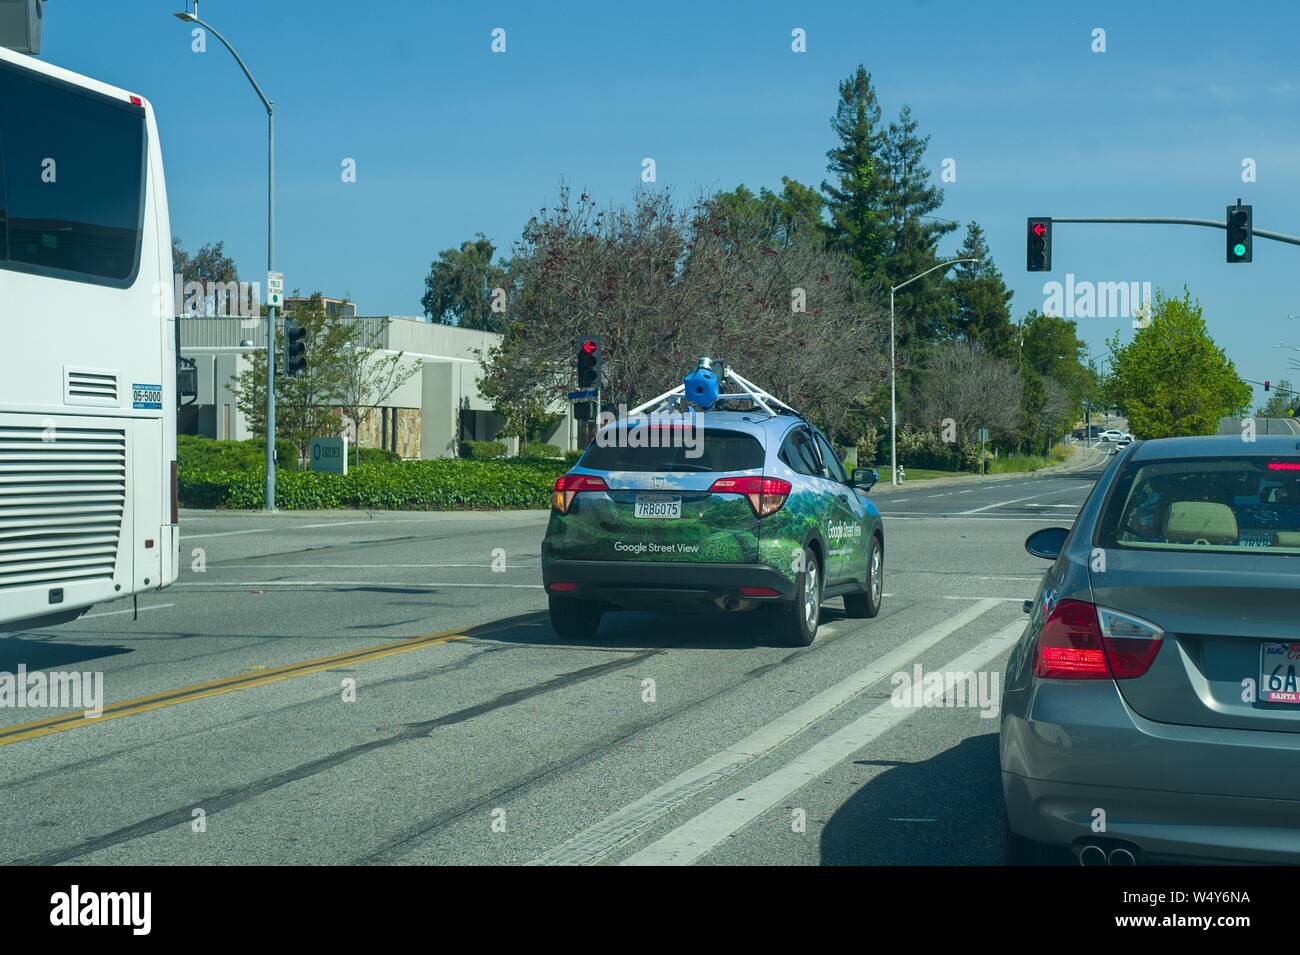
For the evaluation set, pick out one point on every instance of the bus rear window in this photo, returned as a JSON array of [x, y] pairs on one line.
[[74, 164]]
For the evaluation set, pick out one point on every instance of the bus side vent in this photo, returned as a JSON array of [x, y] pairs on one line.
[[62, 499], [90, 386]]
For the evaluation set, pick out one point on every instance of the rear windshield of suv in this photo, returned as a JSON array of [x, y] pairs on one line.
[[716, 449], [1227, 505]]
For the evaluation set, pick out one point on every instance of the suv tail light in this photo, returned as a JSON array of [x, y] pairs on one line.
[[766, 495], [567, 485], [1081, 641]]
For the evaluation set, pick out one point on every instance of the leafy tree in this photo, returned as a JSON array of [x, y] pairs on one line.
[[215, 270], [303, 404], [459, 286], [859, 220], [662, 285], [981, 300], [1051, 347], [796, 208], [1171, 379]]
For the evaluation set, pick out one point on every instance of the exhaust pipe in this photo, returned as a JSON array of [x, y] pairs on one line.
[[1121, 857], [731, 603], [1093, 855]]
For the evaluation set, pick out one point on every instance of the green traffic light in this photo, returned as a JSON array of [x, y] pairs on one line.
[[1239, 249]]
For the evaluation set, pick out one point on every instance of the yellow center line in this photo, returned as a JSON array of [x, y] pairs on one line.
[[143, 704]]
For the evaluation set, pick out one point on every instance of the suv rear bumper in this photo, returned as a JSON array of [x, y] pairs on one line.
[[664, 584]]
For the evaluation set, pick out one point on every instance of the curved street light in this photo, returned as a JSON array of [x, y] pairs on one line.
[[893, 368], [269, 497]]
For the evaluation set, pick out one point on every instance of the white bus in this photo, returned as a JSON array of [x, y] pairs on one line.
[[88, 508]]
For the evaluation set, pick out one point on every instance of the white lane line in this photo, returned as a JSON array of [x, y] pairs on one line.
[[1032, 497], [699, 836], [114, 613], [627, 823], [256, 530]]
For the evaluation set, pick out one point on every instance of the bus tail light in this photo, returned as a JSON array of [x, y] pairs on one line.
[[766, 495], [176, 497]]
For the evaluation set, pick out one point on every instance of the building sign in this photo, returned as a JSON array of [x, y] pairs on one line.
[[329, 455]]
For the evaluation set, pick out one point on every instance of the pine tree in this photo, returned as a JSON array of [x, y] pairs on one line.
[[858, 218], [981, 300], [910, 198]]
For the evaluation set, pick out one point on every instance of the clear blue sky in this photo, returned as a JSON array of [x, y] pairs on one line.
[[451, 139]]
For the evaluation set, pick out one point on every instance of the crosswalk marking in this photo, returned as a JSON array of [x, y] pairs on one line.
[[697, 837], [627, 823]]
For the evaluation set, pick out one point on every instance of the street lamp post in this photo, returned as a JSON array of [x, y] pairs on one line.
[[893, 369], [269, 498]]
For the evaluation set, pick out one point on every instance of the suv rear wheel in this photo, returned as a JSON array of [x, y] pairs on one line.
[[797, 620], [574, 619]]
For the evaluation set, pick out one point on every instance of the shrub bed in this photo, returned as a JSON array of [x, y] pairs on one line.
[[440, 485]]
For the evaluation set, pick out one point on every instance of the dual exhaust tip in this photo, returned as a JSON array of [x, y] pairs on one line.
[[1096, 855]]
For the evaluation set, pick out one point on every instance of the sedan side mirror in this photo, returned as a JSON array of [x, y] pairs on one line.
[[865, 478], [1047, 543]]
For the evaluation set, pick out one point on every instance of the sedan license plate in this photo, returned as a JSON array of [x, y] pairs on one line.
[[1278, 663], [660, 506]]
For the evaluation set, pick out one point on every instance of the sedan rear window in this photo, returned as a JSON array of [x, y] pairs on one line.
[[717, 450], [1228, 505]]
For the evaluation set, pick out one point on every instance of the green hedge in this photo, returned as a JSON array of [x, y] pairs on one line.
[[196, 453], [441, 485], [535, 449], [482, 450]]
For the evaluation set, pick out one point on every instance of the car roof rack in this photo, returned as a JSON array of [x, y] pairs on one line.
[[674, 398]]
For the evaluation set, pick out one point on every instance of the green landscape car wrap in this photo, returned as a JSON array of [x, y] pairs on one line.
[[836, 520]]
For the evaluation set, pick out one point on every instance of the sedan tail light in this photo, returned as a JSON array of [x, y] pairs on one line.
[[568, 485], [766, 495], [1081, 641]]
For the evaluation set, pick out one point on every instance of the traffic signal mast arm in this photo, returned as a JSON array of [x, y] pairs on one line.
[[1163, 220]]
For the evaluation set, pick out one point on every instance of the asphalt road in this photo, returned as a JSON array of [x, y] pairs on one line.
[[385, 688]]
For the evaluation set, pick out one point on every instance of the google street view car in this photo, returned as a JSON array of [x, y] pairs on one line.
[[699, 500]]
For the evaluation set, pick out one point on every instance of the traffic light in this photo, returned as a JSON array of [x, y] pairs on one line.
[[1038, 245], [295, 349], [589, 358], [1266, 386], [1240, 233]]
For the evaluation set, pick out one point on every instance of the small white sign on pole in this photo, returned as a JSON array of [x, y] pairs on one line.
[[275, 289], [330, 455]]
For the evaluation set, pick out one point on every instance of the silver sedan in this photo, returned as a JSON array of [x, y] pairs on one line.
[[1151, 710]]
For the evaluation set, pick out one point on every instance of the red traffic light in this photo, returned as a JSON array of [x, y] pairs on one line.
[[590, 346], [1039, 228]]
